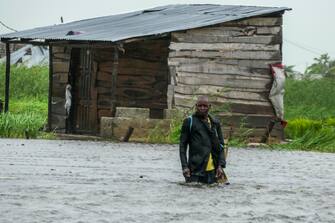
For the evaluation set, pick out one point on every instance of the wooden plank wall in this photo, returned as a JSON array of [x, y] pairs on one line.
[[103, 64], [60, 62], [142, 78], [143, 74], [230, 63]]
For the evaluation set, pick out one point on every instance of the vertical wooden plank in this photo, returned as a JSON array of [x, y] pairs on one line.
[[94, 95], [114, 79], [50, 87], [7, 77], [70, 78], [171, 85]]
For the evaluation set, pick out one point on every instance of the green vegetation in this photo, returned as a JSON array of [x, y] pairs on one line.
[[26, 83], [241, 139], [24, 125], [310, 106], [298, 127], [322, 140], [313, 99], [159, 135], [28, 104], [314, 135]]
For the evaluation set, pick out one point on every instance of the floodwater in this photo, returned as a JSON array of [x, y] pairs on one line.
[[79, 181]]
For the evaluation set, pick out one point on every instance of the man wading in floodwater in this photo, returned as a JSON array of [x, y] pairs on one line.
[[203, 134]]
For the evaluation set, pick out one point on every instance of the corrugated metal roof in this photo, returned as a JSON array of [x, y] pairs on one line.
[[149, 22]]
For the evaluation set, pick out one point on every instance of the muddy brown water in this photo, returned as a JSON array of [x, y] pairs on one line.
[[77, 181]]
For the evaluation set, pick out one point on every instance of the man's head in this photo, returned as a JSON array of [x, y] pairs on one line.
[[202, 106]]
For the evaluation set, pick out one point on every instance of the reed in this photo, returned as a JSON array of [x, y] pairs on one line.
[[25, 125]]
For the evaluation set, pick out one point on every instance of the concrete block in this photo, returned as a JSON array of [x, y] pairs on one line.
[[117, 127], [171, 113], [127, 112], [106, 127]]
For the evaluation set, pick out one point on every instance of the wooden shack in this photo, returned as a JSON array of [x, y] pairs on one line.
[[162, 58]]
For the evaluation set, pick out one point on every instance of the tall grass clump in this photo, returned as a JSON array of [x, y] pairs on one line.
[[28, 102], [307, 134], [322, 140], [159, 133], [309, 109], [25, 125], [30, 105], [298, 127], [26, 82]]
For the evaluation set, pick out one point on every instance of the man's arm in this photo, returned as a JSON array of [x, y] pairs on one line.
[[184, 141], [222, 160]]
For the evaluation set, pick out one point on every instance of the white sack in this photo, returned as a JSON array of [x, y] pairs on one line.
[[68, 99], [277, 91]]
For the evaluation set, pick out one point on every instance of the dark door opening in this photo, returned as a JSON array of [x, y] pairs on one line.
[[83, 119]]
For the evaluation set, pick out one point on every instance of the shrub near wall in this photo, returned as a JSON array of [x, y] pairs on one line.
[[309, 109], [26, 82], [298, 127], [28, 104], [313, 99], [322, 140], [26, 125]]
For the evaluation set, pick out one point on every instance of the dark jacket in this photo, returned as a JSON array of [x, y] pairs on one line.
[[201, 140]]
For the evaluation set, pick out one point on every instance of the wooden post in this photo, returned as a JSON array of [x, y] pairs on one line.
[[128, 134], [7, 77], [268, 131], [114, 79], [50, 88]]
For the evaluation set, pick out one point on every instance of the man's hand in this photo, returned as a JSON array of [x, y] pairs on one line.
[[219, 172], [186, 172]]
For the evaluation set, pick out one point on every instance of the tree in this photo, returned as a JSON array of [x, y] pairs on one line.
[[323, 66], [291, 72]]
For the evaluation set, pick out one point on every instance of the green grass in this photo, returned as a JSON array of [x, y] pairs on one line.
[[24, 125], [298, 127], [28, 103], [313, 99], [310, 111], [321, 140], [159, 135], [311, 135], [25, 82]]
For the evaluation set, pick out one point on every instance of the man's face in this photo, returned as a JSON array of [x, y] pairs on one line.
[[203, 107]]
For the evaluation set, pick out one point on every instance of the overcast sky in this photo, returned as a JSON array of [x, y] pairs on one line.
[[308, 29]]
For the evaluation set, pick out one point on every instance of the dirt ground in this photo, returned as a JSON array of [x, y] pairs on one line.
[[78, 181]]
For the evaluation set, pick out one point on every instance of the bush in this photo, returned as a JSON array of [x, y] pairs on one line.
[[309, 109], [322, 140], [26, 125], [313, 99], [28, 104], [307, 134], [26, 82], [297, 127]]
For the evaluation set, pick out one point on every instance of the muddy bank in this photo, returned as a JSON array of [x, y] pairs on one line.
[[73, 181]]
